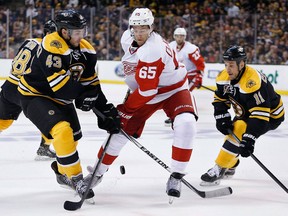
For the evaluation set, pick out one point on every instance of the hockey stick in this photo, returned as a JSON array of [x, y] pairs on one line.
[[127, 95], [204, 194], [255, 158], [72, 206], [262, 165], [201, 86]]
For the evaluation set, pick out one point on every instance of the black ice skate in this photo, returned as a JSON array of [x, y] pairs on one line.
[[230, 172], [168, 122], [62, 180], [44, 152], [81, 186], [213, 176], [173, 187]]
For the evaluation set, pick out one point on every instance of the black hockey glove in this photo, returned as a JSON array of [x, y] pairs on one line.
[[112, 121], [86, 101], [224, 123], [247, 145]]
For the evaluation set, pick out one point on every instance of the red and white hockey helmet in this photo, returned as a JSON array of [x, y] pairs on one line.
[[141, 16], [180, 31]]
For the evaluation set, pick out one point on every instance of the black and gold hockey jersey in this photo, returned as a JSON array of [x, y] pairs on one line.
[[23, 59], [59, 72], [253, 99], [20, 64]]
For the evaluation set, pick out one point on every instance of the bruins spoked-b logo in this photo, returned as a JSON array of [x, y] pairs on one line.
[[76, 70], [56, 43], [250, 83]]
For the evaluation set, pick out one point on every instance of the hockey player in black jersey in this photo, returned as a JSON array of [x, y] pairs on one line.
[[257, 107], [10, 108], [63, 71]]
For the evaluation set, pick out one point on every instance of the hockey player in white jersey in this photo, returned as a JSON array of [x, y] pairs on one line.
[[188, 54], [157, 81]]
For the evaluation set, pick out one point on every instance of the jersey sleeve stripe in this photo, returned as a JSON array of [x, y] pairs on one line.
[[148, 93], [58, 83]]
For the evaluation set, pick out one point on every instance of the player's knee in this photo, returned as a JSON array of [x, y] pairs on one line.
[[185, 123], [4, 124], [184, 130], [62, 134]]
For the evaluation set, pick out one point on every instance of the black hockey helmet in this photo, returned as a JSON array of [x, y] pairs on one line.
[[70, 19], [235, 53], [49, 27]]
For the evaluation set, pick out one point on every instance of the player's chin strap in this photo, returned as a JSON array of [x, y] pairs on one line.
[[261, 165]]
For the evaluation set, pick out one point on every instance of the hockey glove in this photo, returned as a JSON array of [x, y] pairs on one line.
[[224, 123], [86, 101], [112, 121], [195, 79], [125, 116], [247, 145]]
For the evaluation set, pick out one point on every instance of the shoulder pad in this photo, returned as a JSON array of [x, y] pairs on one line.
[[223, 78], [85, 46], [250, 81], [53, 43], [191, 46]]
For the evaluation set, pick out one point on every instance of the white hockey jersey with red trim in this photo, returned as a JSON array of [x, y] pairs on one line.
[[189, 54], [152, 71]]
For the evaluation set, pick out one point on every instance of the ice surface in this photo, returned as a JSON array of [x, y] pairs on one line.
[[29, 188]]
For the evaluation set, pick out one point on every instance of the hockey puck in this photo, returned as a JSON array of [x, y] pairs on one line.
[[122, 170]]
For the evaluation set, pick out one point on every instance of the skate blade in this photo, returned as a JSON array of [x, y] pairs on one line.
[[167, 124], [171, 199], [90, 201], [205, 184], [43, 158], [227, 176]]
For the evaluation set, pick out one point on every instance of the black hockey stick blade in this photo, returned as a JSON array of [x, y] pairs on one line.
[[72, 206]]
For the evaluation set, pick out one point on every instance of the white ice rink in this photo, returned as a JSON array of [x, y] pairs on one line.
[[29, 188]]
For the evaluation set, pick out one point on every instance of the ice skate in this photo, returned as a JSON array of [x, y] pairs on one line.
[[96, 180], [62, 180], [213, 176], [44, 152], [173, 187], [80, 186], [168, 122], [230, 172]]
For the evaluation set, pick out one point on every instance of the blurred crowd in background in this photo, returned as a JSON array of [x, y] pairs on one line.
[[261, 27]]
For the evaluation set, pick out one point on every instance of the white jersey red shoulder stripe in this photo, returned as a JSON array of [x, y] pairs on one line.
[[189, 54]]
